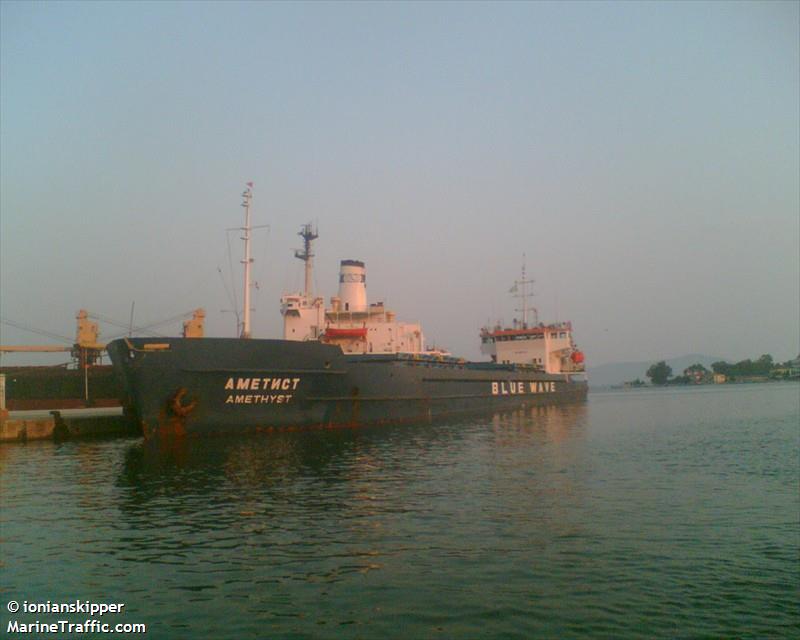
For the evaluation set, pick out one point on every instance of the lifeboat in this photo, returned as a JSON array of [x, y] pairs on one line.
[[355, 333], [577, 357]]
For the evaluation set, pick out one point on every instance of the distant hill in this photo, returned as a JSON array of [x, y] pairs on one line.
[[616, 373]]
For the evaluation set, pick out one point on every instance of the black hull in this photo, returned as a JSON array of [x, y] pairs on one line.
[[37, 388], [223, 385]]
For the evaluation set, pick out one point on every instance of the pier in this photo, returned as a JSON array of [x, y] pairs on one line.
[[64, 424], [60, 423]]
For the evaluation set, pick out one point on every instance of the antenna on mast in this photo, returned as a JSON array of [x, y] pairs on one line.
[[247, 196], [523, 284], [308, 233]]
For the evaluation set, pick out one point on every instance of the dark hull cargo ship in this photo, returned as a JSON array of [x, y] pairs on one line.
[[351, 364], [229, 385]]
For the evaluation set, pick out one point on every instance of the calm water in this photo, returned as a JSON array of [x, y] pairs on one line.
[[668, 513]]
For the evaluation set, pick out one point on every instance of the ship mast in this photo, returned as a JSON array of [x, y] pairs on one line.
[[523, 284], [308, 234], [247, 196]]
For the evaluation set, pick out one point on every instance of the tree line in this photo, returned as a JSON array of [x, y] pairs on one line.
[[660, 373]]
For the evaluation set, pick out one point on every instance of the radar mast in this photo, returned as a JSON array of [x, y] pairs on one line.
[[308, 233], [247, 196], [520, 288]]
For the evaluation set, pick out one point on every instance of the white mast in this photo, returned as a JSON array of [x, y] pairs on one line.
[[524, 295], [309, 234], [246, 197]]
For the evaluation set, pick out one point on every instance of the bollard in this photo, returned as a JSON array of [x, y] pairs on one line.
[[3, 411]]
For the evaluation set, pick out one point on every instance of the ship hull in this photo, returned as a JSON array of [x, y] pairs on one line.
[[43, 388], [219, 385]]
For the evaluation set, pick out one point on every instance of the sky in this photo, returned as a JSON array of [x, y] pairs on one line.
[[643, 159]]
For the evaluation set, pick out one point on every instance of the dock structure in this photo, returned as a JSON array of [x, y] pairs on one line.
[[57, 403], [66, 424], [60, 424]]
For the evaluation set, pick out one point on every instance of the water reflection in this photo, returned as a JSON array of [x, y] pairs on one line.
[[264, 461], [357, 484], [574, 514], [544, 424], [268, 476]]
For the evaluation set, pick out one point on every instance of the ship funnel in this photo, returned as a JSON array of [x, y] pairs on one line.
[[352, 286]]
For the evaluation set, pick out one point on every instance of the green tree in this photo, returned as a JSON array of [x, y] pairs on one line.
[[697, 367], [721, 367], [764, 365], [744, 368], [659, 373]]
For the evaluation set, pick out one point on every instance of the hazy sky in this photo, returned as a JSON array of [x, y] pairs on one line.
[[644, 156]]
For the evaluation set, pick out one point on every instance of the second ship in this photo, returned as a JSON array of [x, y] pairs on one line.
[[350, 364]]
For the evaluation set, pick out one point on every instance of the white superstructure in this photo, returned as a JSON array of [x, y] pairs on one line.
[[303, 313], [548, 347], [350, 321]]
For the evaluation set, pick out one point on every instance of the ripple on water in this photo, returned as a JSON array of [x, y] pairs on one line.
[[637, 516]]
